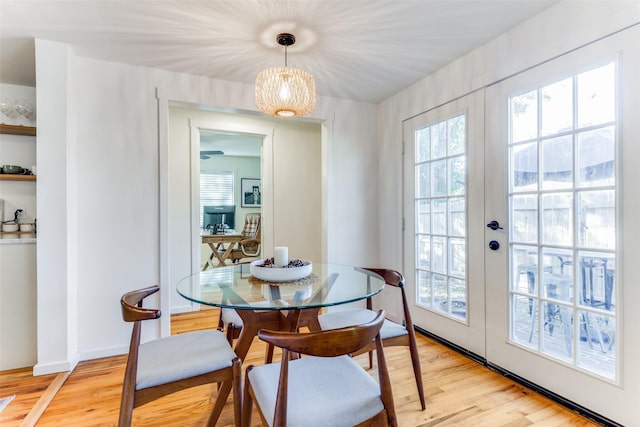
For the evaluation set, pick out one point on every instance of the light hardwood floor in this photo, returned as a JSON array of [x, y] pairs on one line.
[[459, 392]]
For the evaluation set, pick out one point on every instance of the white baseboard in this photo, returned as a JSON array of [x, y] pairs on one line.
[[54, 368]]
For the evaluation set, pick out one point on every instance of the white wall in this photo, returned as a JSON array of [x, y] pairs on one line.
[[103, 144]]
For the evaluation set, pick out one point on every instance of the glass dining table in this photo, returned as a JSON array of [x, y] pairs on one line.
[[283, 306]]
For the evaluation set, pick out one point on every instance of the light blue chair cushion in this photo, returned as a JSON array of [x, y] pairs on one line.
[[323, 391], [229, 315], [182, 356], [341, 319]]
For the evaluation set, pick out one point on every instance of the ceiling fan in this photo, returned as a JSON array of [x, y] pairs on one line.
[[207, 154]]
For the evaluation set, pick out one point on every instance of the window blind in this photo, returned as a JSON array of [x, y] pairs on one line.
[[216, 188]]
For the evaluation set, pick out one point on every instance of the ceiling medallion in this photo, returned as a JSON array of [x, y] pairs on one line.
[[285, 91]]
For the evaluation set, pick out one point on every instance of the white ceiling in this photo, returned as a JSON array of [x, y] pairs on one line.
[[357, 49]]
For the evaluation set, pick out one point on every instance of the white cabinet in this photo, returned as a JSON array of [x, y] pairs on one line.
[[18, 305]]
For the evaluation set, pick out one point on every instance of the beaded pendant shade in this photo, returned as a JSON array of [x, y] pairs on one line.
[[285, 91]]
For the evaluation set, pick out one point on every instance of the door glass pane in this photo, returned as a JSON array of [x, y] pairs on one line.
[[524, 167], [596, 96], [423, 180], [557, 107], [563, 221], [423, 216], [457, 172], [439, 178], [439, 140], [524, 218], [557, 218], [557, 163], [524, 116], [441, 218], [423, 144], [595, 158], [457, 217]]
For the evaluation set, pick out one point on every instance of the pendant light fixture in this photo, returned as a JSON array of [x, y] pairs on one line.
[[285, 91]]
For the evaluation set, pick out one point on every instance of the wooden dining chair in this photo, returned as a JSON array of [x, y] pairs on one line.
[[325, 388], [392, 333], [163, 366]]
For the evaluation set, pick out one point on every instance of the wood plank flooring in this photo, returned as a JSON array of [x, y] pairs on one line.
[[459, 392]]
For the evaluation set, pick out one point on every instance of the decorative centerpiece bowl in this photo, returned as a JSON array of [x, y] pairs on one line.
[[265, 269]]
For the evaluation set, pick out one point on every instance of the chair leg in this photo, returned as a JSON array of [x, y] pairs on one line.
[[371, 359], [268, 357], [247, 401], [230, 333], [417, 370]]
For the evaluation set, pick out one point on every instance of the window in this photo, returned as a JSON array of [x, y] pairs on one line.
[[440, 212], [563, 219], [216, 188]]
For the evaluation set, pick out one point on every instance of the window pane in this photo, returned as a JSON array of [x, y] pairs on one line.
[[423, 180], [597, 219], [424, 288], [423, 144], [457, 257], [439, 255], [524, 167], [598, 353], [524, 320], [456, 127], [596, 282], [423, 252], [458, 298], [596, 96], [525, 269], [557, 276], [557, 339], [524, 218], [524, 116], [439, 178], [439, 140], [423, 216], [439, 216], [596, 158], [216, 188], [457, 175], [557, 107], [457, 216], [557, 163], [557, 219], [440, 292]]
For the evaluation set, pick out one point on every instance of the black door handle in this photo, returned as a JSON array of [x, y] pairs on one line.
[[494, 225], [494, 245]]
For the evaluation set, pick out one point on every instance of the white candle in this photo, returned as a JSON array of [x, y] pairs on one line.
[[280, 256]]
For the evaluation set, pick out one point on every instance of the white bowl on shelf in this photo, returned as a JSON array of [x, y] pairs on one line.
[[10, 226], [280, 274]]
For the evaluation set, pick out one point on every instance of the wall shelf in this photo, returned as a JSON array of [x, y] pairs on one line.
[[16, 177], [17, 129]]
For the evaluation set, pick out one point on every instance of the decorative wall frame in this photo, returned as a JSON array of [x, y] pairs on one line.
[[250, 193]]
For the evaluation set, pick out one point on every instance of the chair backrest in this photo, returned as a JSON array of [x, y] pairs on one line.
[[396, 279], [329, 343], [251, 228], [131, 304]]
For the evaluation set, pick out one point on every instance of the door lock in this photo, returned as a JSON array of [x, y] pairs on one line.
[[494, 225], [494, 245]]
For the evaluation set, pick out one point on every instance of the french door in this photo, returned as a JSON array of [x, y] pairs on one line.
[[526, 255], [444, 234]]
